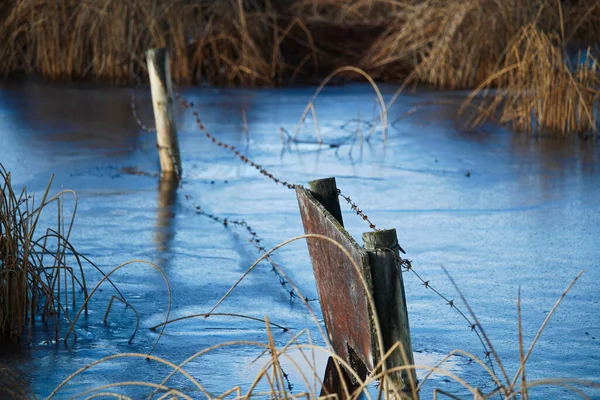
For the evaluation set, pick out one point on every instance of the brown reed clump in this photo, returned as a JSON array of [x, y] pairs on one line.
[[442, 43], [445, 43], [542, 91], [34, 276], [226, 42]]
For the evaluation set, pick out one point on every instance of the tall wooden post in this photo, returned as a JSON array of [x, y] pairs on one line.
[[390, 302], [162, 102]]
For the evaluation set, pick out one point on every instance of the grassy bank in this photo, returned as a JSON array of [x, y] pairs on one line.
[[473, 44]]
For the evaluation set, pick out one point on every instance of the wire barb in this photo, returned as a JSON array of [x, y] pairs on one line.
[[358, 211]]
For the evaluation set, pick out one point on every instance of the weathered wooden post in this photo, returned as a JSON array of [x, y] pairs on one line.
[[390, 301], [348, 318], [325, 191], [162, 102]]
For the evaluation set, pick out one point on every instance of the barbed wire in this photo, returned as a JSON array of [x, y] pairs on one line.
[[404, 265], [134, 110], [357, 210], [189, 106], [254, 238]]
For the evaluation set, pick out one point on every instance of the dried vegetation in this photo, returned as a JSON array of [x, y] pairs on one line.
[[520, 46], [36, 280]]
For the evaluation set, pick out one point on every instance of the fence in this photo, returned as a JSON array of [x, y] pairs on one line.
[[350, 321]]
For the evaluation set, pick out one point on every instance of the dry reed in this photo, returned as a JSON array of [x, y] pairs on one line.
[[444, 43], [35, 276], [260, 42], [227, 43], [541, 92]]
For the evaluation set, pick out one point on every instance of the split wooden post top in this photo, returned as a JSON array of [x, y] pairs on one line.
[[325, 191], [162, 102]]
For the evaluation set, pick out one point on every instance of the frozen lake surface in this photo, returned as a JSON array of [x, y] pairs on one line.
[[498, 210]]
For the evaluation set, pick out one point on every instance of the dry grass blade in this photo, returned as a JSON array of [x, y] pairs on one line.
[[137, 316], [283, 328], [166, 389], [524, 393], [567, 383], [324, 83], [279, 387], [191, 379], [539, 332], [179, 368], [108, 394], [464, 353], [106, 277], [480, 327]]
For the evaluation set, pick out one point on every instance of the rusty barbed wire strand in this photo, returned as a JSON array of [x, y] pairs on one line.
[[134, 111], [404, 265], [254, 238], [189, 106], [357, 210]]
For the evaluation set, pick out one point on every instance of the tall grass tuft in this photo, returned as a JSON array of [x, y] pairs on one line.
[[35, 279], [543, 91]]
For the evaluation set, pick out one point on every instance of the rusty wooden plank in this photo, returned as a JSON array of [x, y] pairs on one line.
[[343, 297]]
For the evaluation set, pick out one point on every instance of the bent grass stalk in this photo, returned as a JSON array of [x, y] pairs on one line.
[[168, 390], [106, 277], [273, 375], [191, 379], [326, 81], [285, 329], [127, 304]]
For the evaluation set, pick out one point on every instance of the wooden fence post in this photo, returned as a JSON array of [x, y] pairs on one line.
[[390, 301], [325, 191], [348, 318], [162, 102]]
